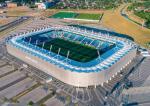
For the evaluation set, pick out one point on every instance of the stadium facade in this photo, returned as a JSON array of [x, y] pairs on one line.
[[26, 46]]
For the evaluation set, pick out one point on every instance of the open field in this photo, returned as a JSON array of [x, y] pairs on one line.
[[12, 29], [113, 20], [4, 21], [21, 11]]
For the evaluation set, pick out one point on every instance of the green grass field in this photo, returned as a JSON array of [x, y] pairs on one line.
[[62, 15], [148, 44], [78, 52], [89, 16]]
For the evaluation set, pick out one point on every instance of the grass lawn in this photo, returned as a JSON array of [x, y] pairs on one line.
[[62, 15], [89, 16], [78, 52], [148, 44], [144, 15]]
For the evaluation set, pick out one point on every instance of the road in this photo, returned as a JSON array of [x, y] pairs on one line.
[[14, 23], [125, 15]]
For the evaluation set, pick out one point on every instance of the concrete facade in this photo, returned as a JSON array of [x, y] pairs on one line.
[[72, 78]]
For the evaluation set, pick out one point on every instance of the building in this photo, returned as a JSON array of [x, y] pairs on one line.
[[47, 4], [11, 4], [114, 54], [40, 5], [2, 5]]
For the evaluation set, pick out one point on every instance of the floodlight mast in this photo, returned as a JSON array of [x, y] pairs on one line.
[[23, 39], [98, 52], [58, 51], [36, 42], [30, 40], [50, 48], [43, 45], [68, 54]]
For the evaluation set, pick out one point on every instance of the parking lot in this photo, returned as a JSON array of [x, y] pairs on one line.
[[35, 95], [17, 88], [53, 102], [19, 85]]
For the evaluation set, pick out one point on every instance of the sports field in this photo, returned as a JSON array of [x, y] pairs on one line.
[[89, 16], [78, 52], [75, 15], [62, 15]]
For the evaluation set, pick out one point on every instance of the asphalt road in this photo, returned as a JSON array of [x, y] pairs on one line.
[[14, 23]]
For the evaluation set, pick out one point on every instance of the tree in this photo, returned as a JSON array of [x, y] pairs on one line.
[[147, 24], [42, 105], [30, 103]]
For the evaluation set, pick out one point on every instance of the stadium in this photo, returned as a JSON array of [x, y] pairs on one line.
[[73, 55]]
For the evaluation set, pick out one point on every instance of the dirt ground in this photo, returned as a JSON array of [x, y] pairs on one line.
[[22, 11], [6, 20], [113, 20]]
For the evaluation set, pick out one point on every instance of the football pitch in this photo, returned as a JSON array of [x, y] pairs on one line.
[[88, 16], [78, 52], [62, 15]]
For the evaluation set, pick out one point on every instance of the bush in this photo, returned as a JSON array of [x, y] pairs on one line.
[[147, 24], [30, 103]]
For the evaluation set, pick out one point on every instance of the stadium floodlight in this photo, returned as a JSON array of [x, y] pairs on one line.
[[36, 42], [68, 54], [50, 48], [30, 39], [43, 45], [85, 31], [58, 51], [99, 44], [92, 32], [98, 52]]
